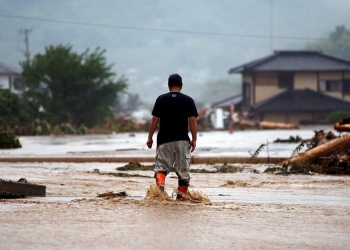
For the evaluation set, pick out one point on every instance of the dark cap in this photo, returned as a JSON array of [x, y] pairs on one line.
[[175, 80]]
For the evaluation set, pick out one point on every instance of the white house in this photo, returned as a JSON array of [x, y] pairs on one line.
[[9, 77]]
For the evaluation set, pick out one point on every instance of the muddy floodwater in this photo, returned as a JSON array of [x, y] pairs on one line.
[[247, 210]]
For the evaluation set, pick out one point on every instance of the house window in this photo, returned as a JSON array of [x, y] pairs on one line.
[[330, 85], [286, 81], [346, 86]]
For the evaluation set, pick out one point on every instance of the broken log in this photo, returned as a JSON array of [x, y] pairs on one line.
[[248, 123], [278, 125], [342, 128], [267, 125], [320, 151]]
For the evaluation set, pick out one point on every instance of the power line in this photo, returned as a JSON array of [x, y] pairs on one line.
[[163, 30]]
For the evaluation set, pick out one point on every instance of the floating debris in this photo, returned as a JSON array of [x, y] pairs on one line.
[[227, 169], [327, 154], [135, 165], [23, 180], [291, 139], [112, 194], [125, 175]]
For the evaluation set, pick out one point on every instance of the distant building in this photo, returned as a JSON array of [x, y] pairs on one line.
[[295, 86], [220, 111], [226, 103], [9, 78]]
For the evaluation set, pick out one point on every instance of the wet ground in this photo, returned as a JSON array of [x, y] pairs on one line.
[[247, 210]]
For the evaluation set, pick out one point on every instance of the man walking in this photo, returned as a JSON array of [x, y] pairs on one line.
[[175, 112]]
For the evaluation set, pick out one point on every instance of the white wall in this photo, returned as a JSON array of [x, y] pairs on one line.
[[4, 82]]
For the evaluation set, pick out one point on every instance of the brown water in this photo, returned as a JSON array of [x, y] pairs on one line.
[[247, 211], [194, 196]]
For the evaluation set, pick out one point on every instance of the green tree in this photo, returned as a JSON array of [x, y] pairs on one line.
[[64, 86], [11, 110], [337, 45]]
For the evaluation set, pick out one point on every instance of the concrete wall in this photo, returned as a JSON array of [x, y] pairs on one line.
[[265, 92], [269, 79], [334, 94], [266, 86], [330, 75], [305, 80]]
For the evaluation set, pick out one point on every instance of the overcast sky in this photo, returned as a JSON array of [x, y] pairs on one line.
[[147, 40]]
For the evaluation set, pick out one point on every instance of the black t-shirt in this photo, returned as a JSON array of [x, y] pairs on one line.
[[173, 109]]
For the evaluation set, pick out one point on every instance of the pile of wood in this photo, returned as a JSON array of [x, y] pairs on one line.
[[327, 154], [343, 126], [243, 123]]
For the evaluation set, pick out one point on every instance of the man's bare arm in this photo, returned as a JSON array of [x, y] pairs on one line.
[[193, 129], [152, 128]]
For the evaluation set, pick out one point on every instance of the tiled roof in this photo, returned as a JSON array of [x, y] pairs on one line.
[[302, 100], [294, 61], [227, 102], [8, 70]]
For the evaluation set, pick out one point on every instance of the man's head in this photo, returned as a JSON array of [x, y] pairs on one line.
[[175, 80]]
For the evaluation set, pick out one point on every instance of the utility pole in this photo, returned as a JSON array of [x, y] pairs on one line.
[[26, 41], [271, 25]]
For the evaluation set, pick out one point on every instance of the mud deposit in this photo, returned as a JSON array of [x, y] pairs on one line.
[[237, 211]]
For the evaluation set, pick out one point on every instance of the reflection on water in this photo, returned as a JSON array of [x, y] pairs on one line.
[[240, 143]]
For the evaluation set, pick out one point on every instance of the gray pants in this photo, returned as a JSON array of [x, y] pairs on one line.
[[174, 156]]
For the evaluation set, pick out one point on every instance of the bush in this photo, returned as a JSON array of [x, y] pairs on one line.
[[337, 116], [9, 140], [40, 127], [12, 112], [68, 129], [82, 130]]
